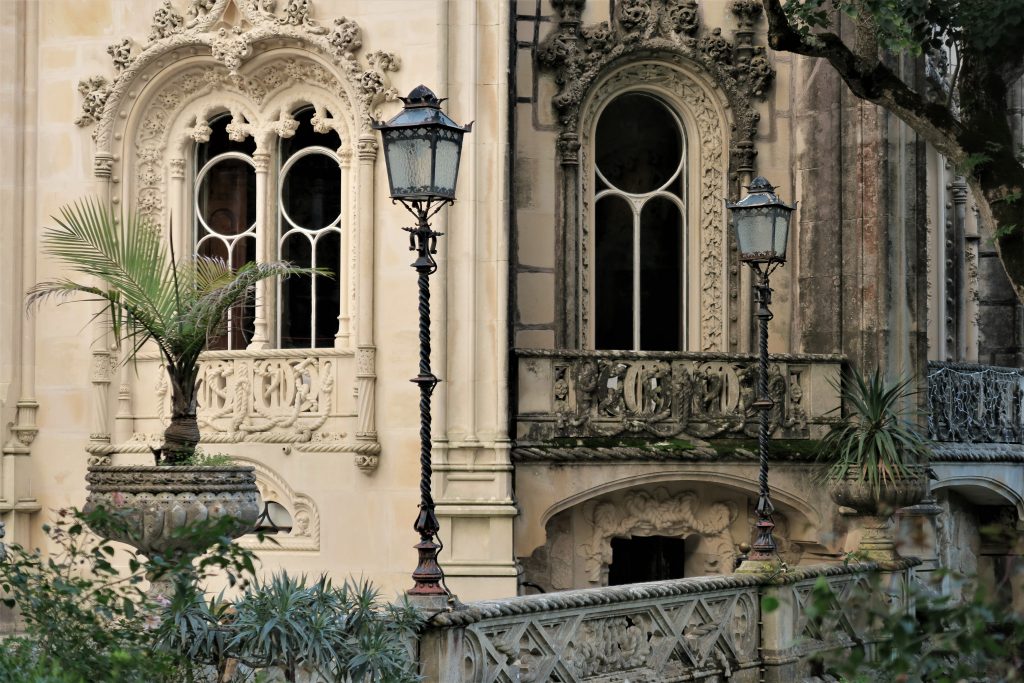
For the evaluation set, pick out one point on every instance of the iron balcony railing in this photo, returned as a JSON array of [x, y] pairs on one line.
[[975, 403]]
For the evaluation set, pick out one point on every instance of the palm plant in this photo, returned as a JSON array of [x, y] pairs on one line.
[[178, 304], [875, 443]]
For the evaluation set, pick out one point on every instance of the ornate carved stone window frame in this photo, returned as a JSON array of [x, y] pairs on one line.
[[649, 40], [221, 55], [702, 116]]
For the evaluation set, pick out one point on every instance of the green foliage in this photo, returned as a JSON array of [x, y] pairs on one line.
[[87, 619], [921, 25], [874, 442], [927, 638], [179, 304], [200, 458], [342, 633], [84, 614]]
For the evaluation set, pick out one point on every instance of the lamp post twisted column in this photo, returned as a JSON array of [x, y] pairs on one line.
[[428, 576], [761, 221], [763, 548]]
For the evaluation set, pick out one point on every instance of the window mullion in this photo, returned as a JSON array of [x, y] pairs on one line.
[[261, 335], [636, 273]]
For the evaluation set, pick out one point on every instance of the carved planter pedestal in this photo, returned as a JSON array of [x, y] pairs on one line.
[[876, 510], [158, 500]]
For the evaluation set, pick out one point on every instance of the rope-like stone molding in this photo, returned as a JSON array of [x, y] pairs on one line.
[[262, 354], [679, 355], [613, 454], [594, 597], [977, 452]]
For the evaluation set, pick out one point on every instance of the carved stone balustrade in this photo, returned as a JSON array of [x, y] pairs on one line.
[[975, 403], [670, 394], [708, 628], [301, 399]]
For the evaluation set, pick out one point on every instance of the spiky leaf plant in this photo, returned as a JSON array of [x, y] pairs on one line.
[[875, 442], [179, 304]]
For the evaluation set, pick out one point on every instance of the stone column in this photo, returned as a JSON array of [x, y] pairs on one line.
[[367, 448], [264, 252]]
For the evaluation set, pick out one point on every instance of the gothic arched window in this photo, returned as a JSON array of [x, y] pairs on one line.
[[639, 226], [307, 203]]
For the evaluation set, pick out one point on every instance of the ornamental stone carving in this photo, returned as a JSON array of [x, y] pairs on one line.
[[578, 55], [94, 91], [305, 531], [364, 86], [166, 22], [657, 513], [662, 43], [160, 500]]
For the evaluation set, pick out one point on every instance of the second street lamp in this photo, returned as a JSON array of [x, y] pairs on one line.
[[761, 221], [422, 147]]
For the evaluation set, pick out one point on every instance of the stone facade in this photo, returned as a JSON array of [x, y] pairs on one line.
[[545, 447]]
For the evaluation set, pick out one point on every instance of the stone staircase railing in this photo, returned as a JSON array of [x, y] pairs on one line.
[[706, 628]]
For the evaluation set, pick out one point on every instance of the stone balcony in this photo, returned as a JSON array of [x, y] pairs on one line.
[[669, 395]]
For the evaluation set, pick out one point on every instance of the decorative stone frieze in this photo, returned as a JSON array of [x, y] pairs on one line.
[[665, 394], [260, 399]]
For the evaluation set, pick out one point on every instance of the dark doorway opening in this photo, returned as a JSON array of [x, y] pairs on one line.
[[646, 558]]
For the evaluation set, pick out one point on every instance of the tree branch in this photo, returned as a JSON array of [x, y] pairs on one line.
[[871, 80]]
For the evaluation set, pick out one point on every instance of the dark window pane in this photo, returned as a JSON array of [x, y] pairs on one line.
[[226, 205], [310, 194], [297, 294], [661, 283], [639, 145], [613, 274], [328, 290], [227, 198]]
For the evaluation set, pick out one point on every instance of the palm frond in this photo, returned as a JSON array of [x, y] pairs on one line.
[[874, 442], [125, 254]]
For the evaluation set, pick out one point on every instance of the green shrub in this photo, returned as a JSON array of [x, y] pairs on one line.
[[89, 621]]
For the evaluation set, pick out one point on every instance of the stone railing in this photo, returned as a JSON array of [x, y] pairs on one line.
[[301, 399], [668, 394], [975, 403], [707, 628]]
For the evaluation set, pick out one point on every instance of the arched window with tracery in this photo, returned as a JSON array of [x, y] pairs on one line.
[[640, 238], [308, 208]]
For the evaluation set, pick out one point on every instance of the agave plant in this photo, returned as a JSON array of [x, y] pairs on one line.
[[178, 304], [875, 442]]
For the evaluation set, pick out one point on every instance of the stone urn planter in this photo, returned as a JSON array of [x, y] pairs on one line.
[[877, 508], [158, 500]]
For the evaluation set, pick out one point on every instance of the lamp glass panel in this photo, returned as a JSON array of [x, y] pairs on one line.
[[409, 160], [446, 166], [754, 231], [781, 232]]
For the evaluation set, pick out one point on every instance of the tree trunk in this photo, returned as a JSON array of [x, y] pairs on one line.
[[182, 436]]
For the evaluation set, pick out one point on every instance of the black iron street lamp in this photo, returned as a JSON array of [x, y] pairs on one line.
[[761, 221], [422, 147]]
